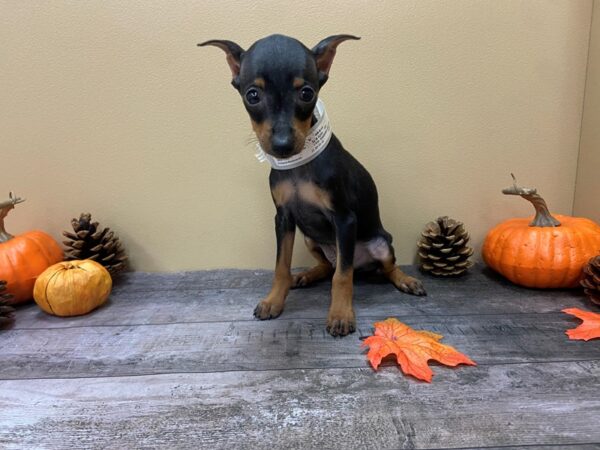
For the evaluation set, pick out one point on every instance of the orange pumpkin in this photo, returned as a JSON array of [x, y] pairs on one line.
[[548, 252], [24, 257], [72, 288]]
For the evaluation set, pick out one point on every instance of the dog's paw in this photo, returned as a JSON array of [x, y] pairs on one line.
[[341, 325], [412, 286], [310, 276], [300, 280], [267, 310]]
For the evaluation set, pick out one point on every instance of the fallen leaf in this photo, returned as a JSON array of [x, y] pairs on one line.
[[413, 349], [589, 329]]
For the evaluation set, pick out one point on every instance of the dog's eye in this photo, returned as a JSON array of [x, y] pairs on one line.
[[252, 96], [306, 94]]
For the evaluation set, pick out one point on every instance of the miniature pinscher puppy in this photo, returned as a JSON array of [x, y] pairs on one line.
[[331, 198]]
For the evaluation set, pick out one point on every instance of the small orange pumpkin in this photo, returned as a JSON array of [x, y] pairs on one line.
[[72, 288], [24, 257], [548, 252]]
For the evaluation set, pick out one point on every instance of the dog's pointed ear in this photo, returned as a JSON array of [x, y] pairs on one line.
[[324, 52], [233, 54]]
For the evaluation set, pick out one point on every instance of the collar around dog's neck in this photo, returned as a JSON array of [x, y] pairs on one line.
[[316, 141]]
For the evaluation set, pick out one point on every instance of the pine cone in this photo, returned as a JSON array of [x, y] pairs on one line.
[[6, 312], [91, 242], [591, 279], [443, 248]]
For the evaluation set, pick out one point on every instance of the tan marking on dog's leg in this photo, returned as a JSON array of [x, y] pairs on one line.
[[404, 282], [319, 272], [341, 320], [272, 305]]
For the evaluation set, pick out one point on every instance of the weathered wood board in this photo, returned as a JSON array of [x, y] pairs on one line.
[[232, 295], [255, 345], [522, 404], [176, 361]]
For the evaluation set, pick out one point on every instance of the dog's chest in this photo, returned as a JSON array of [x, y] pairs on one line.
[[289, 192], [310, 206]]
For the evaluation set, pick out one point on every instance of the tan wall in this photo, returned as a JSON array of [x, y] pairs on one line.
[[587, 193], [110, 107]]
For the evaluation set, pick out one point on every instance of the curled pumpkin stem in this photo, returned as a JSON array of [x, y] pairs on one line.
[[542, 218], [5, 207]]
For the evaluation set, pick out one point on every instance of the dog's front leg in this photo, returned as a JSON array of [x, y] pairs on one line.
[[285, 229], [341, 320]]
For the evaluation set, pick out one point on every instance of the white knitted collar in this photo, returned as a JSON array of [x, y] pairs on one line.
[[316, 141]]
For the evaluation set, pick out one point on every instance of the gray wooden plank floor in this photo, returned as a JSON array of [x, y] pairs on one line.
[[176, 361]]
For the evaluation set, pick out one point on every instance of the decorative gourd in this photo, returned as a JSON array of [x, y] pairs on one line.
[[72, 288], [549, 252], [24, 257]]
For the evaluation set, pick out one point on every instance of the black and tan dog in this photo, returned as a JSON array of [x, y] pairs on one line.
[[332, 198]]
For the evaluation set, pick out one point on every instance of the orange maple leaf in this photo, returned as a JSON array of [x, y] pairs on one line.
[[412, 348], [589, 329]]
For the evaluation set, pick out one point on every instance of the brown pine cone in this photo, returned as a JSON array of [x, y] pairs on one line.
[[6, 312], [443, 248], [591, 279], [89, 241]]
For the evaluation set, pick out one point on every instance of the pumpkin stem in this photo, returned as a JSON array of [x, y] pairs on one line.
[[5, 207], [542, 218]]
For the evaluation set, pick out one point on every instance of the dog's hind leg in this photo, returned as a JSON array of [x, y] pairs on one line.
[[382, 251], [322, 270]]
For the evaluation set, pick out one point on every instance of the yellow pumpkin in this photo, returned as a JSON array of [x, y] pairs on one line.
[[72, 288], [548, 252]]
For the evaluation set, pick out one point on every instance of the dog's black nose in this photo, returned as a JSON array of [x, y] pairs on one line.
[[282, 144]]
